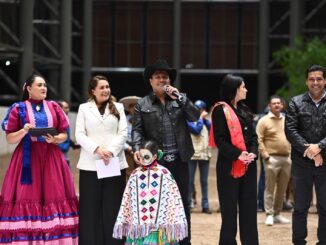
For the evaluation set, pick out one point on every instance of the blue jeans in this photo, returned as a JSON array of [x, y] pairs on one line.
[[203, 170]]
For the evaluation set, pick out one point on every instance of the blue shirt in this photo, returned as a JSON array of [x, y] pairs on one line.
[[196, 127]]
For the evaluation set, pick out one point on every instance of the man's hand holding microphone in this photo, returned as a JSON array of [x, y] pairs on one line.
[[173, 92]]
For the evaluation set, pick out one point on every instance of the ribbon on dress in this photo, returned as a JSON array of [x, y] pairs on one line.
[[26, 177]]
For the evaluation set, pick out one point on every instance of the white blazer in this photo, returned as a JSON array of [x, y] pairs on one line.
[[93, 130]]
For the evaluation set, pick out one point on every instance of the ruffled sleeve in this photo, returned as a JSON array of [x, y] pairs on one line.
[[63, 121], [12, 122]]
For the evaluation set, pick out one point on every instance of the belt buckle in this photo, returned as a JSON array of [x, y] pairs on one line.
[[169, 158]]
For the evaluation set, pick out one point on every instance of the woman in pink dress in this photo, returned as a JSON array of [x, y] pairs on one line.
[[38, 204]]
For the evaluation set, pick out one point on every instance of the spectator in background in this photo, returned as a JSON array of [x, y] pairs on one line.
[[275, 151], [288, 197], [64, 146], [199, 135], [261, 170], [129, 103]]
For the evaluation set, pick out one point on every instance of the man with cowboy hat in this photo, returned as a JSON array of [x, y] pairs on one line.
[[129, 103], [162, 117]]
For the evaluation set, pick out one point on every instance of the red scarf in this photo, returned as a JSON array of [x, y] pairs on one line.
[[239, 168]]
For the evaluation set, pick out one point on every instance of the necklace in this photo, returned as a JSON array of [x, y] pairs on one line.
[[37, 107]]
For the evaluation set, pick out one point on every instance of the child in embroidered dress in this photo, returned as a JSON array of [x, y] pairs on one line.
[[151, 212]]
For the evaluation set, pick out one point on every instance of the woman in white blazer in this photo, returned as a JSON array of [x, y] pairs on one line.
[[101, 130]]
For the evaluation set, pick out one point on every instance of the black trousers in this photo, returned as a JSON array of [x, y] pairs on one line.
[[180, 172], [303, 181], [237, 194], [99, 204]]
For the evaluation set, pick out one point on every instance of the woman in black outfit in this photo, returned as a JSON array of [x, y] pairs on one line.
[[236, 193]]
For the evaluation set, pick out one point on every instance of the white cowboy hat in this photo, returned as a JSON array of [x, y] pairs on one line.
[[128, 100]]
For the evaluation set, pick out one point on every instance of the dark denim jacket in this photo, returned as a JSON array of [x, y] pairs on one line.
[[148, 123], [305, 123]]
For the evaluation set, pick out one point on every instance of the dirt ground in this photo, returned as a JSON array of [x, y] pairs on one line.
[[206, 227]]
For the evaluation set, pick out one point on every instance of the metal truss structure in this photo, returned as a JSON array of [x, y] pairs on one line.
[[54, 38], [46, 37]]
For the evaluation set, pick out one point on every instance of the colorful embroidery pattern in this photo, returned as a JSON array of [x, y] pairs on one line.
[[151, 203]]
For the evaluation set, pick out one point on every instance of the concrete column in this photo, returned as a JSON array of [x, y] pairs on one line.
[[26, 38], [87, 45], [177, 39], [295, 20], [263, 89], [53, 75], [66, 26]]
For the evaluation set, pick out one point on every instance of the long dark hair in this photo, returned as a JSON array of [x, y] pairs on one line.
[[150, 145], [29, 81], [92, 85], [228, 91]]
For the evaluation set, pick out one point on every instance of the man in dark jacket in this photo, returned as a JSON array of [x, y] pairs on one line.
[[162, 116], [305, 128]]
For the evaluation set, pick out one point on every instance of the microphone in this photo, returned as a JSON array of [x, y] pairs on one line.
[[175, 93]]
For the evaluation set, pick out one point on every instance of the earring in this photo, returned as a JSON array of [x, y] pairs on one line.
[[30, 95]]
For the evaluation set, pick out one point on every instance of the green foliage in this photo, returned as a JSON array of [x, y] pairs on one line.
[[295, 61]]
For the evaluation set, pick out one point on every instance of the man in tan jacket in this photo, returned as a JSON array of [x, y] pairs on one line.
[[275, 150]]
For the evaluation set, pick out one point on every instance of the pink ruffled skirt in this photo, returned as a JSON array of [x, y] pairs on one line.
[[44, 212]]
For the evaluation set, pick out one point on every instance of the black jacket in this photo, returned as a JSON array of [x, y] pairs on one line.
[[305, 123], [228, 152], [148, 123]]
